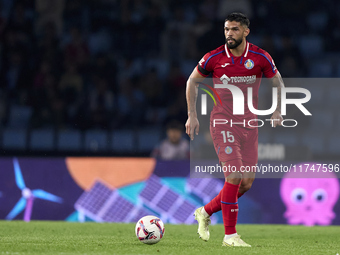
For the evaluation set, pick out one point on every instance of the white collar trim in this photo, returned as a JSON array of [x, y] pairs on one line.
[[245, 55], [227, 52]]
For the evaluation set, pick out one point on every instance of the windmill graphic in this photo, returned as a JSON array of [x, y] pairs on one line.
[[28, 196]]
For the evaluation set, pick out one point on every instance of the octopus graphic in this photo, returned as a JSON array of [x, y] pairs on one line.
[[309, 201]]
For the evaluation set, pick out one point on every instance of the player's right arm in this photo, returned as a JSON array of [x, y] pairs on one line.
[[192, 124]]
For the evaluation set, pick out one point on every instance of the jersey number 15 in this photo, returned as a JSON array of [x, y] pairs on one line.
[[229, 135]]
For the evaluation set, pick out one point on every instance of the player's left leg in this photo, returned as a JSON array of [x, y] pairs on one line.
[[249, 160], [247, 180]]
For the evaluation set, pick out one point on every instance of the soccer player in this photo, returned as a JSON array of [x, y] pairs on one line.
[[241, 64]]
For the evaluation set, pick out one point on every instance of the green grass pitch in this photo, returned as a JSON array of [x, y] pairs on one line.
[[43, 237]]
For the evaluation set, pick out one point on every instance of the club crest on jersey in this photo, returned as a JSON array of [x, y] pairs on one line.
[[249, 64], [228, 150]]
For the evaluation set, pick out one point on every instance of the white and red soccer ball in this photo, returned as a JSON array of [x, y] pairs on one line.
[[149, 229]]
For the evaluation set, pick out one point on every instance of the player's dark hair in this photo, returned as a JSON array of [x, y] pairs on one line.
[[238, 17]]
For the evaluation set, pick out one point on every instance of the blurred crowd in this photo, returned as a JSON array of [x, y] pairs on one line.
[[112, 64]]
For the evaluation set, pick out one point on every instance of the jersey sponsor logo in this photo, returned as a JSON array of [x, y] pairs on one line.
[[249, 64], [228, 150], [201, 61], [225, 79], [238, 79], [225, 64]]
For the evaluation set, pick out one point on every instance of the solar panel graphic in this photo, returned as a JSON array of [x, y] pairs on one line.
[[180, 214], [103, 204], [168, 200], [139, 213], [151, 190], [170, 204], [204, 188], [118, 210], [91, 202]]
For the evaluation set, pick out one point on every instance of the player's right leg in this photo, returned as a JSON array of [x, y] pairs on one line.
[[202, 215], [203, 220], [226, 150], [229, 203]]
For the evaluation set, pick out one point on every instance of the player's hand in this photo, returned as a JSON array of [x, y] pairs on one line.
[[276, 119], [192, 127]]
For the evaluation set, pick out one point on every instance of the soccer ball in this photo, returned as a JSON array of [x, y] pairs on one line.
[[149, 229]]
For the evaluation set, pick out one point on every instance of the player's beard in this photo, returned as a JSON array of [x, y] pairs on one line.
[[235, 44]]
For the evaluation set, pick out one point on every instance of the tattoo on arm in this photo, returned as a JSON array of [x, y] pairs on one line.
[[191, 94], [278, 83]]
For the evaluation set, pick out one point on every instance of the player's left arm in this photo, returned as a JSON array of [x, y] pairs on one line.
[[277, 82], [270, 71]]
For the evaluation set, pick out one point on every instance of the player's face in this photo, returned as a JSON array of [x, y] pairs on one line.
[[234, 33]]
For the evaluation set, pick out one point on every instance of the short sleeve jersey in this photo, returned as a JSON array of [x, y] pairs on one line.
[[243, 71]]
